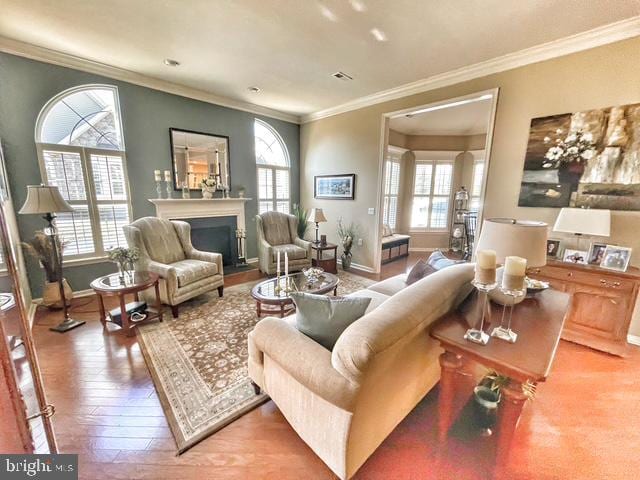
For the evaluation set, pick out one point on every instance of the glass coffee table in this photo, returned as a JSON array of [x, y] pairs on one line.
[[270, 302]]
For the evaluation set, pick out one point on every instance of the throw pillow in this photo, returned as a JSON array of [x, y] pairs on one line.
[[420, 270], [324, 318], [438, 260], [386, 230]]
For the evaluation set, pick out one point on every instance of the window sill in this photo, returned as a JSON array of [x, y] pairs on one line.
[[78, 262], [429, 231]]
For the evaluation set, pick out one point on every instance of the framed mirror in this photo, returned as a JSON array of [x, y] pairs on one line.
[[196, 156]]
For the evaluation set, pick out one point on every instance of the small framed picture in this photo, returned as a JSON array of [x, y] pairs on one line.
[[596, 253], [575, 256], [616, 258], [553, 248], [335, 187]]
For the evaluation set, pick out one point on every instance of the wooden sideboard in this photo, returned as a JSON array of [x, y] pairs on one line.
[[602, 303]]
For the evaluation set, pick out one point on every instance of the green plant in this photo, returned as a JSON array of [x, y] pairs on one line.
[[347, 233], [301, 215], [124, 257], [496, 382], [41, 248]]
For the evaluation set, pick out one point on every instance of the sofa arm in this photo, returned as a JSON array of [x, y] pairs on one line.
[[305, 360], [303, 244], [210, 257]]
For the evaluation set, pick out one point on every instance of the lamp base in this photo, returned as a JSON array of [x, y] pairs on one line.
[[66, 325]]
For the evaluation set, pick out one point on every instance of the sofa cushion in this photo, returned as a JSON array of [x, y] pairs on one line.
[[160, 239], [275, 226], [189, 271], [294, 252], [396, 237], [324, 318], [420, 270], [439, 261], [391, 285]]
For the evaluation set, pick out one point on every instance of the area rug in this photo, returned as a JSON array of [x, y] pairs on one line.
[[198, 362]]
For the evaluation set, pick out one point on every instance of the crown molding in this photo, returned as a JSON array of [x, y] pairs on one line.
[[42, 54], [599, 36]]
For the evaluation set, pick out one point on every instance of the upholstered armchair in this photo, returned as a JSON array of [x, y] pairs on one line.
[[165, 248], [278, 232]]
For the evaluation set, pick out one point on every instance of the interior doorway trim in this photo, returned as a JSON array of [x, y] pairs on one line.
[[384, 143]]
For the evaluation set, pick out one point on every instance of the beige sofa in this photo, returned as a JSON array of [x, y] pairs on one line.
[[278, 232], [343, 403]]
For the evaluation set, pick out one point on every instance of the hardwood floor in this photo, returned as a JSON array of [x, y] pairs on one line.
[[584, 423]]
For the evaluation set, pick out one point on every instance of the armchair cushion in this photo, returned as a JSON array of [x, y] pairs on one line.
[[190, 270], [160, 239], [294, 252], [276, 228]]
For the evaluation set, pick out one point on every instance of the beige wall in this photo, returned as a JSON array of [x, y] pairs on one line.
[[455, 143], [350, 142]]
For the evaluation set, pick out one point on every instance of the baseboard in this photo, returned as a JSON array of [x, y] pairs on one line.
[[422, 249], [633, 339], [357, 266], [252, 260]]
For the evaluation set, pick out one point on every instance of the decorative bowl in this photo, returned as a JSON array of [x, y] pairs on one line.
[[535, 286], [312, 273]]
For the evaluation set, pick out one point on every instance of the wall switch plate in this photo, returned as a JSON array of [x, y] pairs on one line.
[[360, 242], [371, 211]]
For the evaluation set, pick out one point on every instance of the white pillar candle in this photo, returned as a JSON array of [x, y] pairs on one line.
[[157, 175], [514, 273], [286, 264], [485, 267], [167, 175], [278, 263]]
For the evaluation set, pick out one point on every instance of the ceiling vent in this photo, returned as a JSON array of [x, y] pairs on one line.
[[342, 76]]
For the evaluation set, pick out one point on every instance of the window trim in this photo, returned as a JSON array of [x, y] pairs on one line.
[[272, 167], [392, 157], [433, 157]]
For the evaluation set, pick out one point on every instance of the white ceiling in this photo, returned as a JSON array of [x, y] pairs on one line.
[[290, 48], [468, 119]]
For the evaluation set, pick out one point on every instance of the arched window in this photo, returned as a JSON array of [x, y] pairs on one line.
[[272, 160], [81, 151]]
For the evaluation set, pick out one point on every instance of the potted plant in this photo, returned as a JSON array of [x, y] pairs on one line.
[[125, 258], [301, 215], [487, 396], [41, 248], [346, 234], [208, 186], [241, 191]]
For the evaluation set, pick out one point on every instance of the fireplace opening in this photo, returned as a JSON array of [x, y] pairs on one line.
[[215, 234]]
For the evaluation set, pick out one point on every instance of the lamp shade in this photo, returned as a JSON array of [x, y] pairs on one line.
[[316, 215], [508, 237], [44, 199], [584, 221]]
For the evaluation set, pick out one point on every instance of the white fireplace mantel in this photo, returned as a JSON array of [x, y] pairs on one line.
[[176, 208]]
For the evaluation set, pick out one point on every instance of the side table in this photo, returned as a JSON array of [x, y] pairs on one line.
[[327, 264], [132, 282]]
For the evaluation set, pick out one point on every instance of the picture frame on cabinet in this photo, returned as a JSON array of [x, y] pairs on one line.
[[575, 256], [616, 258], [596, 253], [554, 248]]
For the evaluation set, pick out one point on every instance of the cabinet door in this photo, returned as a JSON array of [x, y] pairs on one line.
[[598, 311]]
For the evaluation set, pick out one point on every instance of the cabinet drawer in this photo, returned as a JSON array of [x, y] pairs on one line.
[[593, 279]]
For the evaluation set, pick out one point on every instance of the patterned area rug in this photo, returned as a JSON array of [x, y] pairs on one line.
[[198, 361]]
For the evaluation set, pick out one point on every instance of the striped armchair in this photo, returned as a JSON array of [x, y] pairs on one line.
[[165, 248], [278, 232]]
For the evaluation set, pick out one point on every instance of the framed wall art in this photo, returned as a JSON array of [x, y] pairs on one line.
[[334, 187]]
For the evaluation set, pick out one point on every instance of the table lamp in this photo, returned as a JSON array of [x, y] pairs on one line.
[[316, 215], [583, 221], [47, 201]]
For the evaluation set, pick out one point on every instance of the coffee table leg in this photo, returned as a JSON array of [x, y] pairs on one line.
[[258, 309], [450, 364], [282, 310]]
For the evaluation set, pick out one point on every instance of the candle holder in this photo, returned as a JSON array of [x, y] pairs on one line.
[[159, 188], [478, 335], [169, 188], [288, 286], [501, 332]]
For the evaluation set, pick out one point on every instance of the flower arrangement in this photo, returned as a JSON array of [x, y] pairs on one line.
[[577, 147], [208, 186], [346, 234], [41, 247], [125, 258]]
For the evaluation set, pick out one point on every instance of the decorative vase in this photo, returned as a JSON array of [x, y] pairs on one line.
[[571, 173], [346, 261], [207, 193], [51, 294], [485, 408], [240, 193]]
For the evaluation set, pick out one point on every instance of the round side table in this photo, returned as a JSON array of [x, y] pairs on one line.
[[131, 282]]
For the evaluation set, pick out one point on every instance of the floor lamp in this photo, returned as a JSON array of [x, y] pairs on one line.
[[47, 201]]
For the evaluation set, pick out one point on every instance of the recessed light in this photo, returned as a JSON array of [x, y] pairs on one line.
[[169, 62], [378, 34], [327, 13], [358, 5], [254, 89]]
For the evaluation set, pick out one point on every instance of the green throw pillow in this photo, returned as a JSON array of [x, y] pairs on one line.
[[323, 318]]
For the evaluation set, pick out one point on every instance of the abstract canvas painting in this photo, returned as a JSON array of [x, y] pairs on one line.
[[584, 159]]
